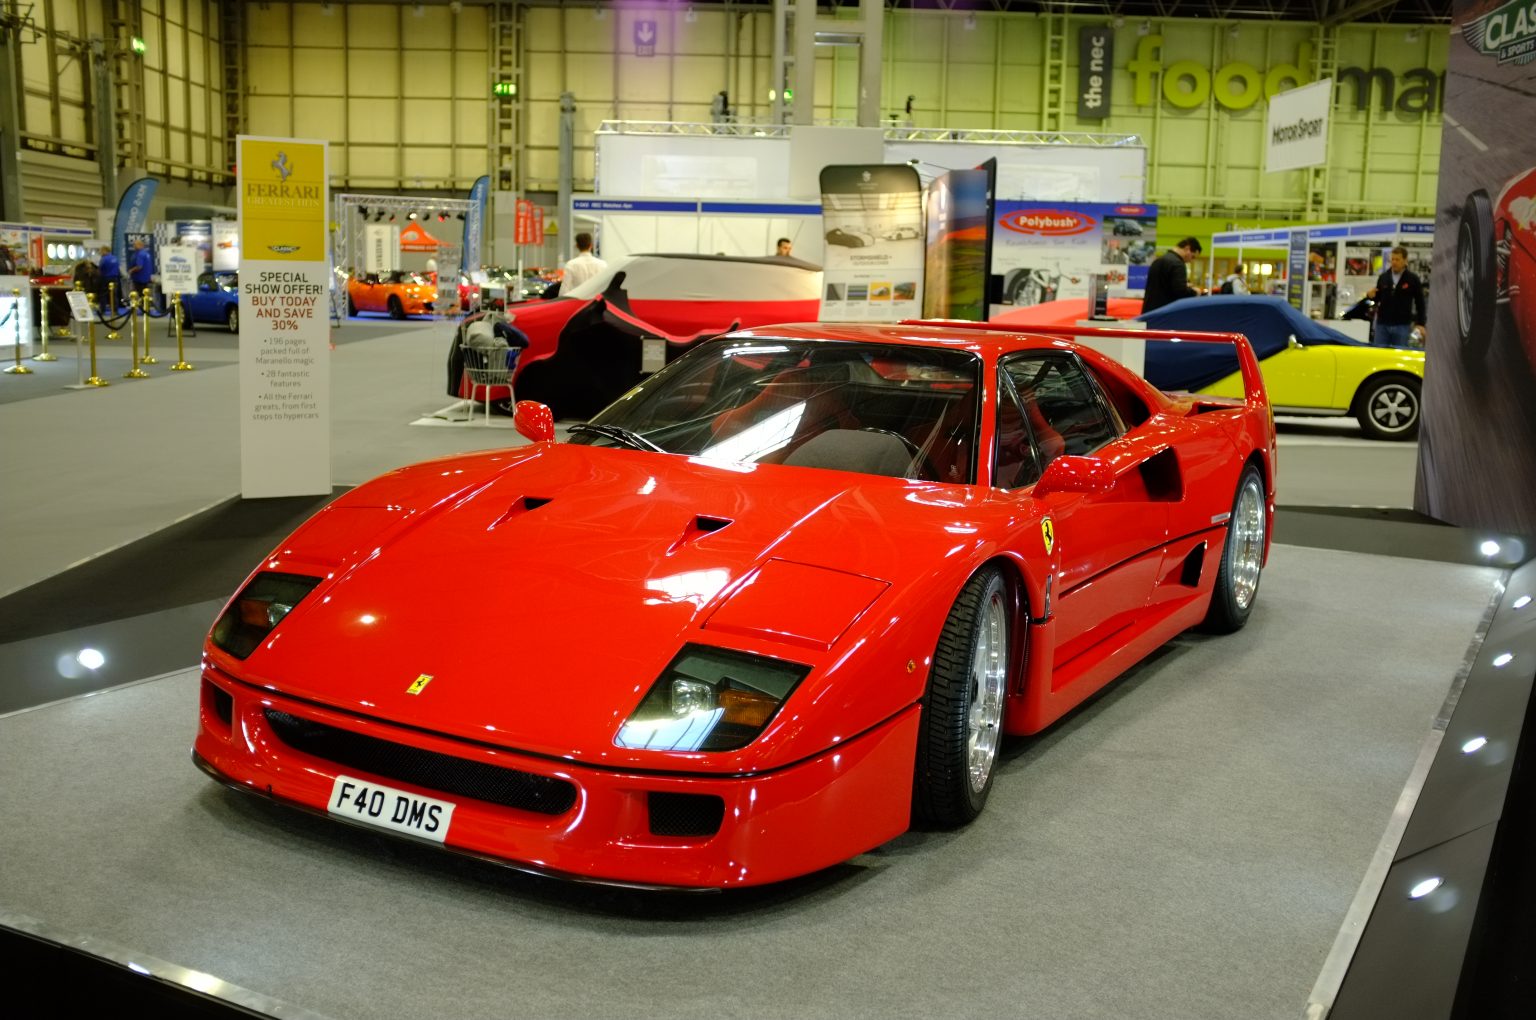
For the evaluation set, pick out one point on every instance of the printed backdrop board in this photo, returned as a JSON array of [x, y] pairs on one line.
[[872, 217], [1477, 445], [1046, 251], [285, 366]]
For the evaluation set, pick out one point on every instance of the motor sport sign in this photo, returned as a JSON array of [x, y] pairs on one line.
[[1297, 128]]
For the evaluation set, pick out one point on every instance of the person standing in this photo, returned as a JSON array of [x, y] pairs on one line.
[[1399, 295], [1168, 276], [784, 248], [141, 267], [111, 273], [583, 267]]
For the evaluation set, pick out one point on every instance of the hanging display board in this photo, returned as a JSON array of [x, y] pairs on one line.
[[1297, 128], [381, 248], [873, 261], [285, 379], [1046, 251]]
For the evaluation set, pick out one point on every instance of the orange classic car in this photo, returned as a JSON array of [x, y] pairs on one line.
[[397, 293]]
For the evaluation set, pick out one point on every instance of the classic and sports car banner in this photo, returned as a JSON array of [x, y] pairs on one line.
[[873, 262], [1046, 251], [132, 214], [1477, 447], [959, 209], [285, 364], [474, 223]]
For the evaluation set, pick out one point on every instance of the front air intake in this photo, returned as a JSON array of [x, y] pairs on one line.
[[456, 777], [685, 814]]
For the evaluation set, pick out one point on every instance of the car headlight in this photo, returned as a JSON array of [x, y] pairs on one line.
[[258, 609], [710, 699]]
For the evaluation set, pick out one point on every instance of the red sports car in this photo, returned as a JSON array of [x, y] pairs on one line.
[[585, 347], [1496, 267], [776, 605]]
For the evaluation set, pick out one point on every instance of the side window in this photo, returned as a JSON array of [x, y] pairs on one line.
[[1064, 407], [1017, 463]]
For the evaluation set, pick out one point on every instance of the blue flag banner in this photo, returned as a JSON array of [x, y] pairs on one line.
[[132, 213], [474, 224]]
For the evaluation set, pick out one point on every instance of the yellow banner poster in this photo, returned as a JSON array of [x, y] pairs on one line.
[[282, 200]]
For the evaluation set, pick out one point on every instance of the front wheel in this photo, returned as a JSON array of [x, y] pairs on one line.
[[1242, 557], [232, 318], [396, 309], [1476, 278], [1388, 407], [351, 305], [962, 723]]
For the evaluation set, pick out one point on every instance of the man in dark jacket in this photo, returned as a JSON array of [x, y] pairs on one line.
[[1168, 276], [1399, 295]]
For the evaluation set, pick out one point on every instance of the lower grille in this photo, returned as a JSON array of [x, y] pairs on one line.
[[458, 777], [685, 814]]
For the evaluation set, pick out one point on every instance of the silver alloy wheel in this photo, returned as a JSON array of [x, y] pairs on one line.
[[1394, 407], [1466, 277], [989, 676], [1245, 542]]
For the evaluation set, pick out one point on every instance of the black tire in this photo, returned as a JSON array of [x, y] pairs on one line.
[[396, 309], [1476, 278], [351, 305], [1234, 594], [1390, 406], [232, 318], [946, 793]]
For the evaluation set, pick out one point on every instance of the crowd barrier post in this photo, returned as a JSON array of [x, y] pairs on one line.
[[111, 311], [18, 368], [133, 333], [181, 355], [45, 354], [94, 380], [146, 297]]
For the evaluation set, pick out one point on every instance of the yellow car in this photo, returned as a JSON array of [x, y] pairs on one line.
[[1308, 368]]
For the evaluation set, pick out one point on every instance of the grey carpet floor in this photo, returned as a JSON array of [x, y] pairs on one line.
[[1185, 846]]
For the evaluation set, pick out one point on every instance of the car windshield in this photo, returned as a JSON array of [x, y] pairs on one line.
[[883, 409]]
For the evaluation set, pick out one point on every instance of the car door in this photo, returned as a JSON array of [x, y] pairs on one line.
[[1108, 545], [1302, 375], [198, 302]]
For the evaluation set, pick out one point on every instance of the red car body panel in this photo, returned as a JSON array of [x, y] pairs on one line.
[[591, 569], [1514, 217]]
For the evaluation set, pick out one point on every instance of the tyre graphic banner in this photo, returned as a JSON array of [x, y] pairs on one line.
[[1477, 444], [872, 218], [1047, 251]]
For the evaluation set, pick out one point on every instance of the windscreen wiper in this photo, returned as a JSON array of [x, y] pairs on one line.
[[620, 435]]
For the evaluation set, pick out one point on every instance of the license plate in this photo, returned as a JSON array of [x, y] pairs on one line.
[[388, 808]]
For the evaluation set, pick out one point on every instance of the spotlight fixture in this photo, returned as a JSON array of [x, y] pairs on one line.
[[364, 210], [970, 22], [1117, 22], [411, 215], [1145, 28]]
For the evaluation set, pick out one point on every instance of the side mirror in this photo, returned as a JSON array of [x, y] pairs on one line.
[[534, 421], [1089, 476], [1292, 342]]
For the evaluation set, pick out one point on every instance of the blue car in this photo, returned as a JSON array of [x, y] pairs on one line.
[[217, 300]]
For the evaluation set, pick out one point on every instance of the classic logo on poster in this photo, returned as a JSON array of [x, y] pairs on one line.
[[283, 199], [1048, 222], [1508, 33]]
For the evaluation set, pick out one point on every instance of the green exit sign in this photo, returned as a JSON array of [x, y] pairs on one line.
[[138, 46], [504, 88]]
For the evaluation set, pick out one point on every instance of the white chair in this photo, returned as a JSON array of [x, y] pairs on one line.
[[484, 369]]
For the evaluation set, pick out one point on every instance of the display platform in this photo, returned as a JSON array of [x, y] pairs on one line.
[[1185, 845]]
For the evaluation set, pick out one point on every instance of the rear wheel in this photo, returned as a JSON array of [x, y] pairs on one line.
[[1242, 557], [351, 305], [232, 318], [396, 309], [962, 723], [1388, 407], [1476, 278]]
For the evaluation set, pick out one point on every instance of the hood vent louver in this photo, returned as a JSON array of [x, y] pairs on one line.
[[518, 508], [697, 528]]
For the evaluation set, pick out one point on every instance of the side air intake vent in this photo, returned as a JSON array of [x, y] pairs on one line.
[[709, 523], [685, 814]]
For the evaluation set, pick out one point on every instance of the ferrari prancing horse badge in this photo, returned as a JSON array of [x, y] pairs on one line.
[[419, 684], [1048, 532]]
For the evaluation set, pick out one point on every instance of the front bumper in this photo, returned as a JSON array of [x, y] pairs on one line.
[[776, 825]]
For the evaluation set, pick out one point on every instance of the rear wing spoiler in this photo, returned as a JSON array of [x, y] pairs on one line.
[[1254, 394]]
